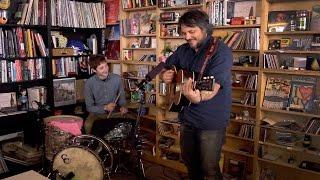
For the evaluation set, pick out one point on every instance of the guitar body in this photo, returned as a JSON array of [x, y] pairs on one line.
[[176, 100]]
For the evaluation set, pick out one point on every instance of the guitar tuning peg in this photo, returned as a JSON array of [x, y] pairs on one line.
[[211, 77]]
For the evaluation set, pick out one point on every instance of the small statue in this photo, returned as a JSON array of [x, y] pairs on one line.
[[23, 100]]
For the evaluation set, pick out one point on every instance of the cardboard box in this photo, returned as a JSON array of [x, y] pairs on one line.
[[64, 52]]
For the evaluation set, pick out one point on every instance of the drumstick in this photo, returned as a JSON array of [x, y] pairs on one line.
[[114, 102]]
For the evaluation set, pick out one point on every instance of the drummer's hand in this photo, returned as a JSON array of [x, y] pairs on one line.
[[110, 107], [123, 110]]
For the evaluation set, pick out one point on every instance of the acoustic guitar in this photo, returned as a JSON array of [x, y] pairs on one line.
[[176, 100]]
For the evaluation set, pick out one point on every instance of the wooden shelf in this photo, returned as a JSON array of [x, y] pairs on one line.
[[242, 68], [245, 50], [139, 9], [174, 148], [290, 112], [147, 130], [23, 26], [242, 105], [142, 49], [292, 33], [140, 63], [238, 137], [181, 7], [139, 35], [287, 130], [172, 37], [228, 149], [291, 52], [241, 121], [284, 164], [112, 24], [243, 89], [278, 1], [236, 26], [113, 61], [288, 148], [149, 117], [291, 72], [169, 22]]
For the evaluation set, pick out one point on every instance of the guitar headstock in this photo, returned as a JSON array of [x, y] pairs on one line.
[[206, 83]]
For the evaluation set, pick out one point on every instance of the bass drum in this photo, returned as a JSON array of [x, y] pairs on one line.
[[88, 157]]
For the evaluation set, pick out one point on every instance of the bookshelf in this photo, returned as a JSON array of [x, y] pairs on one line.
[[241, 135], [37, 61], [274, 154], [154, 150]]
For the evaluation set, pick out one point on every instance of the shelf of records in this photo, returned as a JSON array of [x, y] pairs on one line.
[[31, 12], [241, 131], [22, 70], [295, 44], [71, 67], [68, 13], [234, 13], [19, 42], [246, 39], [290, 93], [289, 149], [24, 100]]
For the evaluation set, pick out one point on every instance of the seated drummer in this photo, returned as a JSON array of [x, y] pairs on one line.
[[101, 92]]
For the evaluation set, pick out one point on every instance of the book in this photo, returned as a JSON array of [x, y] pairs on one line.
[[8, 102], [279, 21], [276, 93], [127, 55], [112, 9], [302, 94], [315, 18]]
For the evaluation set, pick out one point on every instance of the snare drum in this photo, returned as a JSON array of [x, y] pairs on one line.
[[88, 157], [59, 131]]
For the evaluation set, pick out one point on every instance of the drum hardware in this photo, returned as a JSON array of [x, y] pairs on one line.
[[138, 141]]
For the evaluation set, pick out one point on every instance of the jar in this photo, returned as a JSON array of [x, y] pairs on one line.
[[302, 20]]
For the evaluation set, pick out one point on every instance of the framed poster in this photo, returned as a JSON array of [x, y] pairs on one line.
[[64, 91]]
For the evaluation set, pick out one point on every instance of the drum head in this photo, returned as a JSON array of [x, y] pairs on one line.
[[81, 162]]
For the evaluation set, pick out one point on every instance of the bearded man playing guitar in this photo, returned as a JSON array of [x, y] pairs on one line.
[[203, 121]]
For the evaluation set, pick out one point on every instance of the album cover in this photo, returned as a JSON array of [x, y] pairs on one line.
[[64, 91]]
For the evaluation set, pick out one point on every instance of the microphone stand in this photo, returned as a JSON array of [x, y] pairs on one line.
[[141, 90], [41, 126]]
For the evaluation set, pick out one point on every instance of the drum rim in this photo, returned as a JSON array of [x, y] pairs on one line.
[[67, 117]]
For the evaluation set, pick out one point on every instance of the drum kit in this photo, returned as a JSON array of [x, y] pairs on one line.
[[76, 156]]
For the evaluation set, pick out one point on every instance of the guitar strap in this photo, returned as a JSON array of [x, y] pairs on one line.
[[210, 52]]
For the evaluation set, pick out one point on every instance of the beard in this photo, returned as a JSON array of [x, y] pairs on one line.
[[198, 44]]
